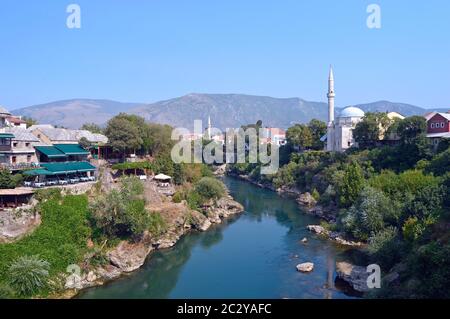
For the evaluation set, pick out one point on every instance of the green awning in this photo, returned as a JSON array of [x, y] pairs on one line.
[[7, 135], [71, 149], [50, 151], [68, 168], [37, 172]]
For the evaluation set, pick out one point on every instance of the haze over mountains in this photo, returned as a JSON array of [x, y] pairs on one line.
[[226, 110]]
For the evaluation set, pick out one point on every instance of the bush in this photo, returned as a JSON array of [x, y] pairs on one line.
[[8, 180], [157, 224], [369, 214], [352, 183], [42, 195], [121, 212], [28, 275], [431, 267], [195, 200], [413, 228], [60, 239], [315, 194], [384, 245], [427, 202], [398, 186], [210, 188], [440, 164], [6, 292]]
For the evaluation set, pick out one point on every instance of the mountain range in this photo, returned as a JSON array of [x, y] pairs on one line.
[[226, 110]]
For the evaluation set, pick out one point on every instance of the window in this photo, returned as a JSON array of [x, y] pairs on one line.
[[442, 124], [14, 159], [432, 125], [27, 144], [28, 158], [15, 144]]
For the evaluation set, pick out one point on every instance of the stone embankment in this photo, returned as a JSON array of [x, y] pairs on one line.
[[127, 256]]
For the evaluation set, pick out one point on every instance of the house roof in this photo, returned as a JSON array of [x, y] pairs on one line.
[[67, 135], [15, 119], [71, 149], [50, 151], [39, 126], [68, 167], [91, 137], [6, 135], [4, 111], [59, 134], [37, 172], [441, 135], [444, 115], [21, 134]]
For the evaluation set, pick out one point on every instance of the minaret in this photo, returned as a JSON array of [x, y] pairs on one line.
[[331, 96], [330, 128], [209, 128]]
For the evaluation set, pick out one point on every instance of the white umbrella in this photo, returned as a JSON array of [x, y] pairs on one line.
[[162, 177]]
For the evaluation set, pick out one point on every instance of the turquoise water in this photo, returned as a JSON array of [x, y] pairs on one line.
[[252, 255]]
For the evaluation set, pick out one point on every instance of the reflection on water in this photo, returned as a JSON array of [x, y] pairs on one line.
[[249, 256]]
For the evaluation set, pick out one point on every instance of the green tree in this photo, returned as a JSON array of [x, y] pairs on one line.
[[8, 180], [28, 275], [318, 129], [29, 121], [300, 136], [411, 128], [159, 139], [93, 128], [351, 185], [369, 214], [84, 143], [371, 129], [122, 212], [440, 163], [210, 188], [123, 134]]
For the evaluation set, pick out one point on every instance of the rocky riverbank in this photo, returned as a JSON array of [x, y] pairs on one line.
[[128, 256]]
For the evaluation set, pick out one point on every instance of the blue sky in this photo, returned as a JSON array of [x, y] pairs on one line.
[[145, 51]]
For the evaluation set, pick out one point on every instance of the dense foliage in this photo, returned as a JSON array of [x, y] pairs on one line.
[[8, 180], [131, 134], [394, 196], [28, 275], [121, 213], [58, 242]]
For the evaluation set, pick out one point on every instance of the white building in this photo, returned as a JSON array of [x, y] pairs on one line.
[[340, 130]]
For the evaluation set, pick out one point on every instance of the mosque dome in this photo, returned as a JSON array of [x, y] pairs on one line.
[[351, 111]]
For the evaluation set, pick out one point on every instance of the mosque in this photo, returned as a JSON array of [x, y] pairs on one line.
[[339, 135]]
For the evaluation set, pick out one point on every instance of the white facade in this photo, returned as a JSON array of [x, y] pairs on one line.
[[340, 129]]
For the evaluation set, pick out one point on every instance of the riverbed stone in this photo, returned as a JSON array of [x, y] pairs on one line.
[[306, 199], [304, 240], [355, 276], [129, 256], [305, 267], [317, 229]]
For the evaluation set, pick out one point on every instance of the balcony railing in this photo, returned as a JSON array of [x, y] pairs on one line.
[[18, 166]]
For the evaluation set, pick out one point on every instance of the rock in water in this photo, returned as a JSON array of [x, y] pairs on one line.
[[355, 276], [307, 200], [305, 267], [317, 229], [305, 240]]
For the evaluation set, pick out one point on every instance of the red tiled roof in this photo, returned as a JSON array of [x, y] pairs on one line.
[[16, 120]]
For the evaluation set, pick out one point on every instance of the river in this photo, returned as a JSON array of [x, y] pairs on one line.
[[252, 255]]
